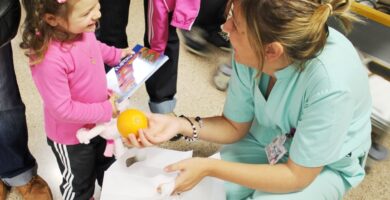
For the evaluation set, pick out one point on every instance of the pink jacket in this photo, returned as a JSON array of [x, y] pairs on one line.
[[73, 89], [184, 15]]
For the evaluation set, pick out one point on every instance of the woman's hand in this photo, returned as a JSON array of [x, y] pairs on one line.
[[126, 52], [191, 172], [161, 128], [140, 141]]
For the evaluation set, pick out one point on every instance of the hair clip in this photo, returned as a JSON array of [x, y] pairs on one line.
[[61, 1], [330, 8], [37, 33]]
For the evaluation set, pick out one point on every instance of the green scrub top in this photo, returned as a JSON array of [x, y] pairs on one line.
[[328, 103]]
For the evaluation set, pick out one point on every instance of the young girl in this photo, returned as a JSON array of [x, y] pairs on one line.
[[296, 120], [68, 70]]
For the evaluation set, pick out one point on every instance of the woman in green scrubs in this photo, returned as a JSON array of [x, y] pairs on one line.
[[296, 121]]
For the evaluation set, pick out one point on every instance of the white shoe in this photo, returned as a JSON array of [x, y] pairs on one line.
[[222, 77]]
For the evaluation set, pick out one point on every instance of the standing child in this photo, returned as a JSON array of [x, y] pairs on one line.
[[67, 65]]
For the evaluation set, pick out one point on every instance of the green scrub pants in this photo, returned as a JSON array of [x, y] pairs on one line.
[[328, 185]]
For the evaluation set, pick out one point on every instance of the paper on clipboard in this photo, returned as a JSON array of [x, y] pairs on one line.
[[125, 78]]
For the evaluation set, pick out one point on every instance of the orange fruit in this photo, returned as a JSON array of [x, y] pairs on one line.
[[130, 121]]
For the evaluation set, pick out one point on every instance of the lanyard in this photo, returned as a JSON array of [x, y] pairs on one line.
[[291, 134]]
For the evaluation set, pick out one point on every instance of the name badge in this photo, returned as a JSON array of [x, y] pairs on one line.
[[276, 150]]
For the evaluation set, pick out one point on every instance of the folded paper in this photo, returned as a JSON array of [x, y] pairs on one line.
[[140, 180]]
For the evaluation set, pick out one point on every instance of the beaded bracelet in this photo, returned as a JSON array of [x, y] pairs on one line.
[[200, 121], [194, 131]]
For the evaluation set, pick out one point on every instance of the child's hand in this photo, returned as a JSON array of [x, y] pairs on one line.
[[126, 52], [113, 100]]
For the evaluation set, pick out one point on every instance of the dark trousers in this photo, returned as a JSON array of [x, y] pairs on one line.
[[211, 15], [162, 85], [15, 157], [81, 165], [113, 22], [112, 29]]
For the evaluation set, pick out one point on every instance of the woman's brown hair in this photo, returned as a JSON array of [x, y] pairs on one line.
[[37, 33], [299, 25]]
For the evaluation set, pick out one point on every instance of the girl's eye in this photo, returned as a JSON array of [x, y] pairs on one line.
[[86, 14]]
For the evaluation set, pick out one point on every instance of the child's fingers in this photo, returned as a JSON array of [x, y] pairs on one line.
[[126, 142], [129, 51], [134, 141], [143, 139]]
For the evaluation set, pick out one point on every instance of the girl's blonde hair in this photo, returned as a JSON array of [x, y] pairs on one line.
[[37, 33], [299, 25]]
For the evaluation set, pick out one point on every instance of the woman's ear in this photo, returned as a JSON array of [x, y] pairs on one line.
[[273, 51], [50, 19]]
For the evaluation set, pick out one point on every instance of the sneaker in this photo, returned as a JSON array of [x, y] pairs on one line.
[[219, 39], [178, 136], [194, 41], [222, 77], [37, 188], [3, 190], [378, 152]]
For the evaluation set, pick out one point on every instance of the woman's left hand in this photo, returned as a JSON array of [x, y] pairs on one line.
[[126, 52], [191, 172], [160, 128]]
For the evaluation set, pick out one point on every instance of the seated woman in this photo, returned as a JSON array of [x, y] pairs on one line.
[[296, 120]]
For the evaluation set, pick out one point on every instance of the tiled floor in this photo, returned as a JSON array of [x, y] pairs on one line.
[[196, 96]]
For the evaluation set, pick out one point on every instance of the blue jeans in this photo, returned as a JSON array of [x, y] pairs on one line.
[[17, 165]]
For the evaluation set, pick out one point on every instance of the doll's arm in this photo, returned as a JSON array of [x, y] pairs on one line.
[[85, 135]]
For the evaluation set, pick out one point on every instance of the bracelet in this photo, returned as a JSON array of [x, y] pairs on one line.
[[200, 121], [194, 131]]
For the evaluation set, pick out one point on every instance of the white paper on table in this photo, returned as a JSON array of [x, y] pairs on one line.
[[208, 189], [140, 180]]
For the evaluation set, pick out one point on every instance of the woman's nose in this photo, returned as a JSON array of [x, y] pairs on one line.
[[227, 27]]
